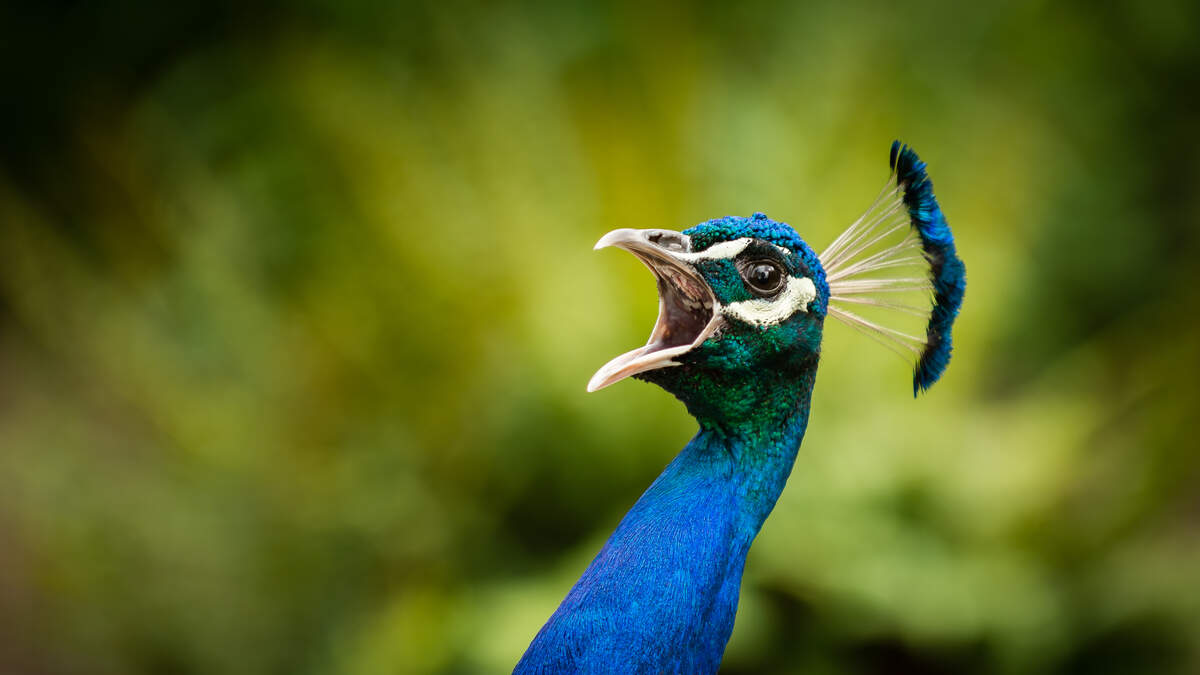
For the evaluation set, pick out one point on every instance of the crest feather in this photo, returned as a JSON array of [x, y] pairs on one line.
[[901, 248]]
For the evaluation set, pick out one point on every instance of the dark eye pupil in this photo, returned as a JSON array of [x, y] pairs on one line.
[[764, 276]]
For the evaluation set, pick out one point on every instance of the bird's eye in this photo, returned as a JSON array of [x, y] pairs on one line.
[[763, 276]]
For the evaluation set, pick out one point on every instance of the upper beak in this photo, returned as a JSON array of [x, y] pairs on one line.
[[688, 312]]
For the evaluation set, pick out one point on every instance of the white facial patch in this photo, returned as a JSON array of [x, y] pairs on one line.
[[769, 312]]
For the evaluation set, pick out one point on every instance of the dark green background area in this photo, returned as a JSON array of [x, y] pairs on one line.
[[298, 303]]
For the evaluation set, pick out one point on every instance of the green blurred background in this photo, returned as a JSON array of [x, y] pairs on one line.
[[298, 302]]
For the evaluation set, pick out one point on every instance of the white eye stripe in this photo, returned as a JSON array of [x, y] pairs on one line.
[[765, 312], [724, 250]]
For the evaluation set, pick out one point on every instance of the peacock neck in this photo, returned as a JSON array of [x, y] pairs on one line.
[[761, 437], [662, 593]]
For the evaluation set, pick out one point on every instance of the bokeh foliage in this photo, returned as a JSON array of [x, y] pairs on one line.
[[297, 306]]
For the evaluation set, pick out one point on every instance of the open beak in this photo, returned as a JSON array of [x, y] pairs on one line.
[[687, 310]]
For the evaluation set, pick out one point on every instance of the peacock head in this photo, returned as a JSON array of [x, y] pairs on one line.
[[743, 301], [738, 297]]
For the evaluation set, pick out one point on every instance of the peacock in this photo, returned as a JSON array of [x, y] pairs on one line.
[[742, 305]]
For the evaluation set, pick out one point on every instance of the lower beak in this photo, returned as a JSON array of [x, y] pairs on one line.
[[688, 312]]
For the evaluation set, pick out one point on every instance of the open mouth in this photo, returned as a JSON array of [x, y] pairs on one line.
[[687, 309]]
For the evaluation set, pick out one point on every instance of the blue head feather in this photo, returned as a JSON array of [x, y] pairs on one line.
[[947, 272]]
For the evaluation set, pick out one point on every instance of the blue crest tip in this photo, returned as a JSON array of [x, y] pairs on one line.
[[947, 272]]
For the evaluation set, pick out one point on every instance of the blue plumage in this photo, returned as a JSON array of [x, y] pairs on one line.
[[661, 596], [947, 271]]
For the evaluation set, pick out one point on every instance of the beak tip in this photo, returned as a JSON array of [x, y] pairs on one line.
[[622, 234], [596, 383]]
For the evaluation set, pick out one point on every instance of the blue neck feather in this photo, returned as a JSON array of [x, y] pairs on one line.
[[660, 597]]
